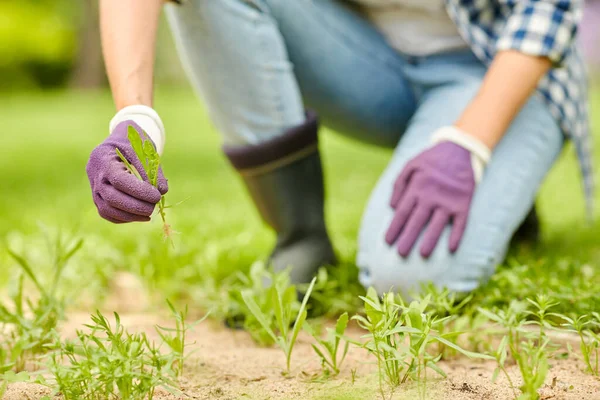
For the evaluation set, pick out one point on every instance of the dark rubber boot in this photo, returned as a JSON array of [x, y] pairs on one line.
[[529, 232], [285, 180]]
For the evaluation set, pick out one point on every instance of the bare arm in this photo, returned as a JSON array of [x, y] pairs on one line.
[[128, 31], [511, 79]]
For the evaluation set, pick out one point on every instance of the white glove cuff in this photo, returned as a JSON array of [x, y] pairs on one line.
[[147, 119], [480, 153]]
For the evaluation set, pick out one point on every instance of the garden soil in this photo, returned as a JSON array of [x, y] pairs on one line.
[[226, 364]]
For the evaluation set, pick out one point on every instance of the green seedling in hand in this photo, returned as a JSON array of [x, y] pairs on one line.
[[150, 160]]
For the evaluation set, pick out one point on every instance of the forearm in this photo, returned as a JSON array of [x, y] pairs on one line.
[[128, 31], [510, 80]]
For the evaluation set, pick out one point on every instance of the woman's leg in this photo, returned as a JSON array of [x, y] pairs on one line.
[[505, 195], [251, 61], [254, 61]]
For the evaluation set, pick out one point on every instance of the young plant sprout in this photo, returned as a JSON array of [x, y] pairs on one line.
[[283, 303], [175, 338], [108, 362], [400, 338], [328, 348], [150, 160]]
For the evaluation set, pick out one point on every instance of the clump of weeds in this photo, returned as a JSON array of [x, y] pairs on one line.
[[400, 337], [452, 320], [280, 300], [108, 362], [529, 349], [262, 285], [336, 291], [150, 159], [328, 348], [28, 323]]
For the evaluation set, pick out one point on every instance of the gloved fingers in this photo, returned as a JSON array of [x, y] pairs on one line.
[[129, 184], [112, 214], [434, 230], [401, 215], [131, 156], [401, 184], [114, 221], [413, 228], [125, 202], [162, 182], [459, 223]]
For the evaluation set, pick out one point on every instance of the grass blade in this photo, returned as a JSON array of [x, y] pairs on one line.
[[128, 165], [301, 314], [137, 145], [27, 269], [257, 312], [467, 353]]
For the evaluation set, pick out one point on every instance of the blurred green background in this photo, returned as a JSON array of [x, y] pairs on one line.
[[46, 44], [55, 107]]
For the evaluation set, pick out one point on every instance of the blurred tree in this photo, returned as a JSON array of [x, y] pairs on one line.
[[37, 42], [89, 69], [54, 43]]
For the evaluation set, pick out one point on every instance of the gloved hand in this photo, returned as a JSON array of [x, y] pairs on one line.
[[435, 189], [119, 196]]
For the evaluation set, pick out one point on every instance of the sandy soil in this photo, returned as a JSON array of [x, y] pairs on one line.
[[228, 365]]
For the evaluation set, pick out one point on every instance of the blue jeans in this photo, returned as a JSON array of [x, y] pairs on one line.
[[258, 63]]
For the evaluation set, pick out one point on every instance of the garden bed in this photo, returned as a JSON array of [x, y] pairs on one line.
[[227, 364]]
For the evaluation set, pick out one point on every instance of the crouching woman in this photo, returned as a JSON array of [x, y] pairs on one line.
[[475, 98]]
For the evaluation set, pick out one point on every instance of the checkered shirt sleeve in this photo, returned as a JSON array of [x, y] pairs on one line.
[[541, 27]]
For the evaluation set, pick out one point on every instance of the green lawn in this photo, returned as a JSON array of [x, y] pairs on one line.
[[46, 140]]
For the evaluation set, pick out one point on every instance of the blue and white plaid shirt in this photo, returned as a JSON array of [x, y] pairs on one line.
[[540, 28]]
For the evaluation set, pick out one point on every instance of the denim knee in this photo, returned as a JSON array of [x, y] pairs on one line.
[[237, 61], [382, 268]]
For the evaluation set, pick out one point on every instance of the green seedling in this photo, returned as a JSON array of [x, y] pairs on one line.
[[328, 348], [225, 299], [586, 327], [283, 300], [447, 307], [541, 315], [150, 160], [500, 354], [107, 362], [533, 366], [255, 284], [530, 350], [591, 354], [27, 324], [381, 318], [400, 338], [175, 338]]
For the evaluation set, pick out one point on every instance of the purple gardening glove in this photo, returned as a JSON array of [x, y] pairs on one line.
[[435, 189], [120, 196]]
